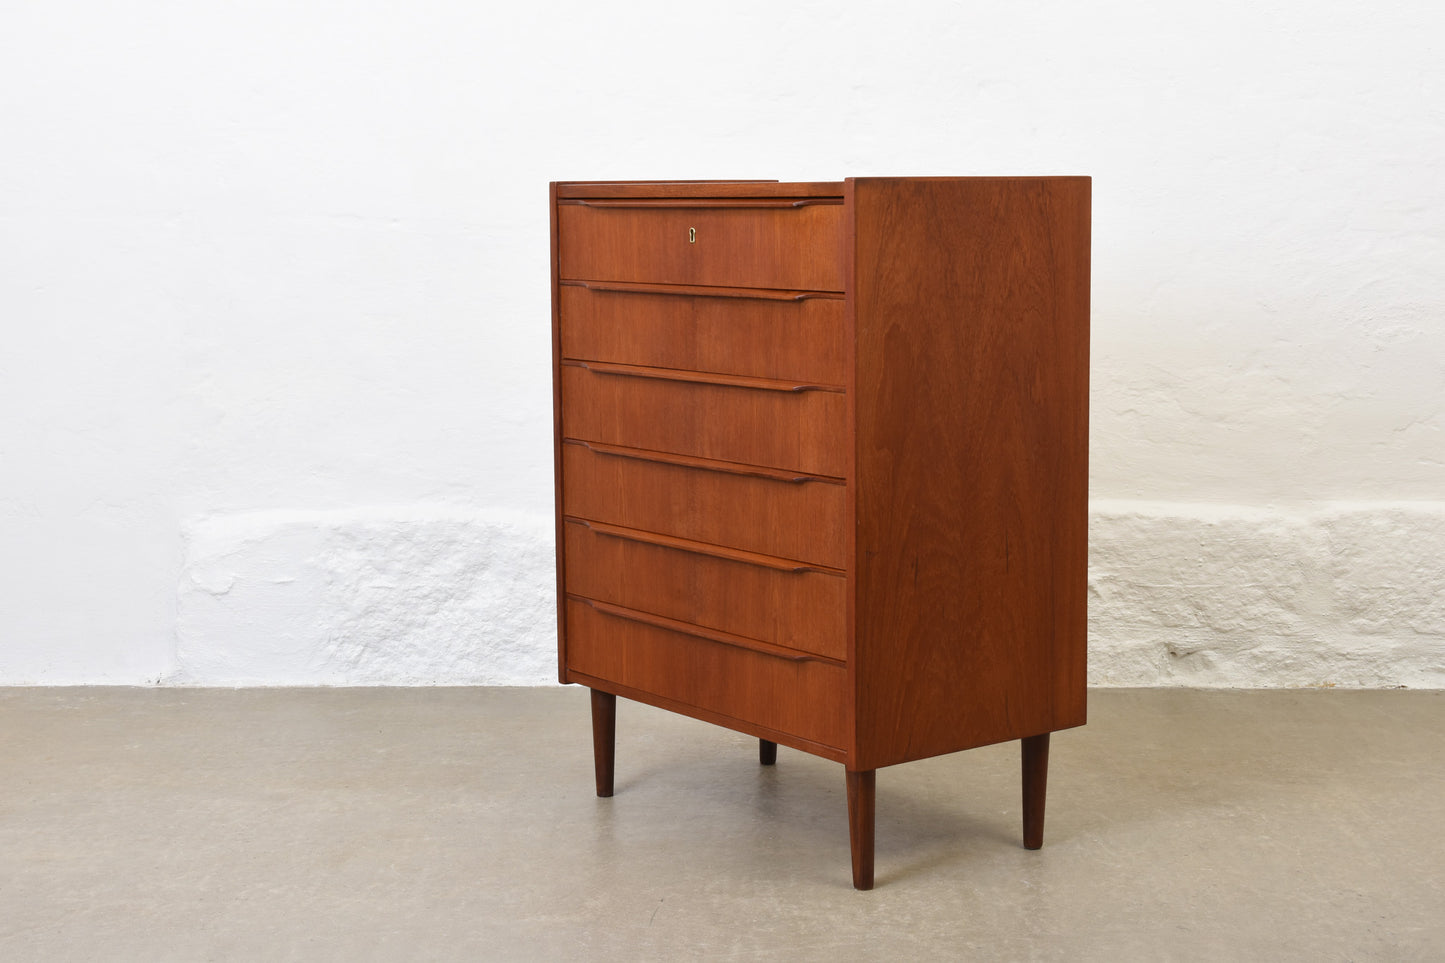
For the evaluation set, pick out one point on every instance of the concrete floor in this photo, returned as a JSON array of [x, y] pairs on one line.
[[438, 824]]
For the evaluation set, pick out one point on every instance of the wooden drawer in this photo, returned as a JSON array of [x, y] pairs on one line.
[[771, 600], [788, 336], [776, 424], [804, 698], [773, 514], [782, 243]]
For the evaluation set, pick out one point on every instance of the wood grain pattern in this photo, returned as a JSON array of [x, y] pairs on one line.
[[795, 339], [786, 386], [756, 559], [693, 189], [706, 464], [704, 290], [796, 248], [713, 203], [694, 631], [802, 430], [802, 521], [972, 301], [805, 698], [801, 610], [831, 753]]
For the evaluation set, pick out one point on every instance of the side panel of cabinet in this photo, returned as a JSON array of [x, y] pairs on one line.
[[971, 311]]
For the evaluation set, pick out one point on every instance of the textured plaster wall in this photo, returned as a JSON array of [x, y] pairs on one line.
[[1334, 595], [366, 596], [273, 286]]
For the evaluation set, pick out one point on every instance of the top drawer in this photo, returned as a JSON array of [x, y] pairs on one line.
[[794, 245]]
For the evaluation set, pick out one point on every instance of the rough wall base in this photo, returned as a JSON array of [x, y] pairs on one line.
[[1348, 595], [368, 597], [1205, 595]]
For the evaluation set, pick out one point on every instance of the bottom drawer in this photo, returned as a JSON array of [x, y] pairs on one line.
[[804, 698]]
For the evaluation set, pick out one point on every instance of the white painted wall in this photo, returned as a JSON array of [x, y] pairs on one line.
[[274, 401]]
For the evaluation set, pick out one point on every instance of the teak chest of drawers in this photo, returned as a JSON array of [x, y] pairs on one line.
[[821, 455]]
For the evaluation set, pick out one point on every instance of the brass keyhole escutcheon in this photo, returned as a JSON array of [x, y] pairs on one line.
[[692, 235]]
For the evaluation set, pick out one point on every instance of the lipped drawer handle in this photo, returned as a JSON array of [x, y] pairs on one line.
[[698, 377], [785, 565], [699, 632], [706, 464], [745, 203], [702, 291]]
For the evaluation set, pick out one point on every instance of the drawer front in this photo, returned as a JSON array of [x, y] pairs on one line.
[[803, 698], [800, 609], [796, 520], [800, 339], [796, 248], [803, 431]]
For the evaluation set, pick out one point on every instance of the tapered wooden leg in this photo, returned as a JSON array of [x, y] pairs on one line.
[[767, 752], [860, 825], [1036, 778], [604, 738]]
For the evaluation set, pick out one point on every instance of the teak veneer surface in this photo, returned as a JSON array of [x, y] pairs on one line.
[[699, 189], [801, 338], [800, 430], [804, 697], [802, 519], [972, 453], [706, 243], [781, 601], [821, 455]]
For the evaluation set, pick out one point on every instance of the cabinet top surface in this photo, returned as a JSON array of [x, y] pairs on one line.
[[582, 190]]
